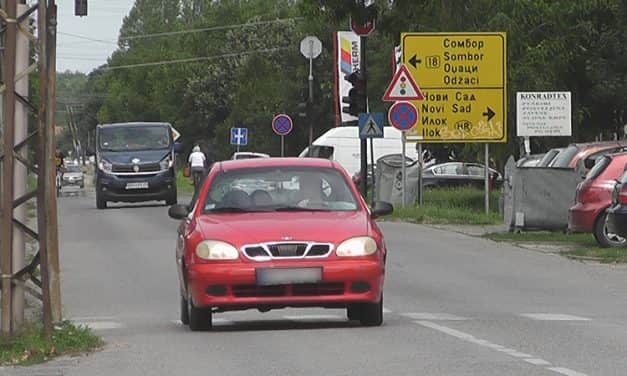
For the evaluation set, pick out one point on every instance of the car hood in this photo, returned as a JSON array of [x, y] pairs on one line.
[[250, 228], [126, 157]]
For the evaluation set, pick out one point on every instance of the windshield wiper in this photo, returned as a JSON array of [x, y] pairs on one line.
[[227, 209], [299, 208]]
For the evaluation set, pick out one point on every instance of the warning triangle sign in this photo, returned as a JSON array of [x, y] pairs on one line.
[[402, 87]]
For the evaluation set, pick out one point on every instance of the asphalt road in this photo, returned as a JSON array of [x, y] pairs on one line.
[[455, 305]]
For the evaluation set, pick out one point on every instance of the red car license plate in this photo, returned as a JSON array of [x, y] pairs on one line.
[[285, 276]]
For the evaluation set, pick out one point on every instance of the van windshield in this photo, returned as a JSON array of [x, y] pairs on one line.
[[320, 151], [134, 137]]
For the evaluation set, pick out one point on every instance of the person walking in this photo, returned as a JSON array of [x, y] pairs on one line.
[[197, 163]]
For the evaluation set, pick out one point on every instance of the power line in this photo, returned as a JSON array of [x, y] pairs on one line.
[[169, 33], [194, 59]]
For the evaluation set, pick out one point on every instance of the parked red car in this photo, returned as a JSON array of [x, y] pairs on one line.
[[279, 232], [593, 196], [589, 153]]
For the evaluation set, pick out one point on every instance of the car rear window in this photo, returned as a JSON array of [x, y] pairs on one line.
[[598, 168], [564, 157]]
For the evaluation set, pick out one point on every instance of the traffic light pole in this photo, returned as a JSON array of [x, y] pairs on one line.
[[363, 152]]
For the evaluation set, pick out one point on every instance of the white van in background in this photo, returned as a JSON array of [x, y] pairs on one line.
[[341, 144]]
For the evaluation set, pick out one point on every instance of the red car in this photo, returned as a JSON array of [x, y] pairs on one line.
[[279, 232], [593, 196]]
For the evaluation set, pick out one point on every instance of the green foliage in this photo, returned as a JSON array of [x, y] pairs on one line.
[[251, 70], [31, 346]]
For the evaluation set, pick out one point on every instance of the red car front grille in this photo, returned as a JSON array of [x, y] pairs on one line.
[[306, 289]]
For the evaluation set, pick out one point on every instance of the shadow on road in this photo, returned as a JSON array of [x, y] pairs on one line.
[[274, 325]]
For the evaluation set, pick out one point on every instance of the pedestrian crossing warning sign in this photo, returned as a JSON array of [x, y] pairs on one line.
[[371, 125]]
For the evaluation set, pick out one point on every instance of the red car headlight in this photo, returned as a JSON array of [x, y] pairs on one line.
[[358, 246], [216, 250]]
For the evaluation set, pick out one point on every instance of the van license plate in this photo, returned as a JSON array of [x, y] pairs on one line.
[[137, 185]]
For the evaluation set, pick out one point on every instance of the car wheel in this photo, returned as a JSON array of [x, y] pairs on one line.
[[184, 311], [603, 237], [199, 318], [100, 202], [371, 314], [352, 312], [172, 198]]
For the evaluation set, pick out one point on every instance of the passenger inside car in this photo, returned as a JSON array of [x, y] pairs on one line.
[[261, 198]]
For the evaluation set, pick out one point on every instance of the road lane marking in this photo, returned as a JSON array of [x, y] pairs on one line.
[[386, 310], [505, 350], [566, 371], [537, 362], [215, 320], [429, 316], [553, 317]]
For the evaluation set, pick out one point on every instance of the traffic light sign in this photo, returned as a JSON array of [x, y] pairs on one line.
[[302, 109], [356, 99]]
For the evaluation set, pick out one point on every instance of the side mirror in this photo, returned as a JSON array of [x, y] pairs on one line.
[[589, 163], [381, 208], [178, 147], [178, 211]]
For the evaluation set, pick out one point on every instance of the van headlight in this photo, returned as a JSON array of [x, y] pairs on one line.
[[216, 250], [166, 163], [359, 246], [105, 166]]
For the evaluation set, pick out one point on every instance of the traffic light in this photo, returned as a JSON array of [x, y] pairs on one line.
[[80, 8], [356, 99]]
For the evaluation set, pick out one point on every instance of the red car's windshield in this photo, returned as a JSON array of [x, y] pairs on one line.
[[279, 189]]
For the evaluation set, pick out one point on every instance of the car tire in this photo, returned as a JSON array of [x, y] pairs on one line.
[[602, 237], [184, 311], [352, 312], [100, 202], [371, 314], [200, 319]]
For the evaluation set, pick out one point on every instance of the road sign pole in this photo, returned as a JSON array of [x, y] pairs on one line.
[[372, 167], [421, 164], [363, 147], [403, 170], [282, 146], [311, 97], [487, 180]]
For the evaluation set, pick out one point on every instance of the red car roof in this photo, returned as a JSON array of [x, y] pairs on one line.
[[276, 162]]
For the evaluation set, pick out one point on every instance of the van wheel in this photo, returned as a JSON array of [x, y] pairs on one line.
[[172, 198], [100, 202], [604, 238]]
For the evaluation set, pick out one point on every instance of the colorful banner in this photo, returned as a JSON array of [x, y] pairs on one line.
[[347, 60]]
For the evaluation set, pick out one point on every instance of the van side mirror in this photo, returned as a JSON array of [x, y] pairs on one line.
[[178, 147], [381, 208], [178, 211]]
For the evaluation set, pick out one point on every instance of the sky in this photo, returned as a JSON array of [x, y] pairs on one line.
[[102, 22]]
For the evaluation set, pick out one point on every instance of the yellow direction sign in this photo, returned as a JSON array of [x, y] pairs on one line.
[[463, 78]]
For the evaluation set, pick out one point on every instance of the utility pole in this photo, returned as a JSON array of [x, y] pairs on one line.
[[15, 163]]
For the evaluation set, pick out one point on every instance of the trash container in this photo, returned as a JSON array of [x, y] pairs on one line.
[[389, 179]]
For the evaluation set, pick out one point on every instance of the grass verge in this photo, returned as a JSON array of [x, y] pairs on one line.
[[576, 246], [452, 206], [31, 346], [184, 185]]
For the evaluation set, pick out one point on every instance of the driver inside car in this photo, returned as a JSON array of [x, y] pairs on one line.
[[310, 188]]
